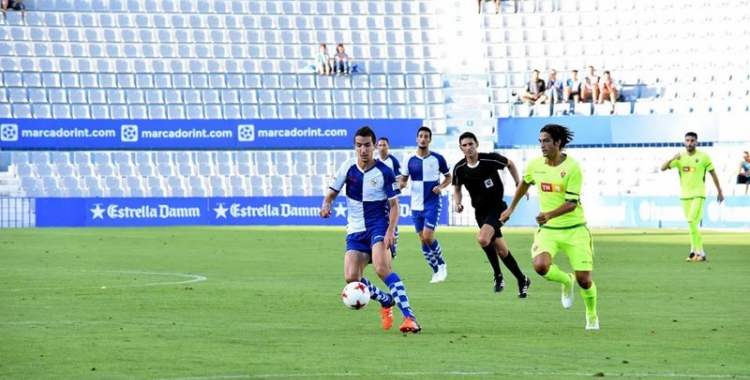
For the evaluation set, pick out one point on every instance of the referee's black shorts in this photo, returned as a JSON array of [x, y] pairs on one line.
[[490, 216]]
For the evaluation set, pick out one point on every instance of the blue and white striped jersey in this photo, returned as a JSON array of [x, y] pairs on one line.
[[425, 175], [392, 163], [367, 194]]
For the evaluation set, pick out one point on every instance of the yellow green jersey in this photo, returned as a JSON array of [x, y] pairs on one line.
[[692, 170], [557, 185]]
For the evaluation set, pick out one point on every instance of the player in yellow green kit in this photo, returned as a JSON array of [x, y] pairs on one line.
[[562, 225], [693, 165]]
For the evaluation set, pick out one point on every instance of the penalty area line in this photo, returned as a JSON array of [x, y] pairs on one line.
[[190, 279], [458, 373]]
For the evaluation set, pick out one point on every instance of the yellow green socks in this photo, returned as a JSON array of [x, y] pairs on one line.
[[556, 275], [589, 299], [695, 236]]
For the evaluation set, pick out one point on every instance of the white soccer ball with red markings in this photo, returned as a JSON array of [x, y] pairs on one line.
[[356, 295]]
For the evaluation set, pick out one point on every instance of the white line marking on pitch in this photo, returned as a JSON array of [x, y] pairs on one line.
[[191, 278], [457, 373]]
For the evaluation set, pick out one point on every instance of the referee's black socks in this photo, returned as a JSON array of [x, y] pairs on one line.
[[512, 265], [491, 253]]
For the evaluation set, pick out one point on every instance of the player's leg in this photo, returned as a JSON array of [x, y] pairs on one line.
[[419, 221], [695, 214], [579, 246], [545, 247], [485, 240], [687, 205], [428, 236], [381, 260], [510, 262], [358, 255]]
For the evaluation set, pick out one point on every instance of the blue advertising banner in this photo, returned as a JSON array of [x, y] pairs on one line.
[[237, 211], [126, 212], [625, 129], [199, 134]]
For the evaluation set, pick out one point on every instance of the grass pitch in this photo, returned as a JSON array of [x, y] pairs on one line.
[[246, 303]]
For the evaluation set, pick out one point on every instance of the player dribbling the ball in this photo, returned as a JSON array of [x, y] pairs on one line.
[[372, 214]]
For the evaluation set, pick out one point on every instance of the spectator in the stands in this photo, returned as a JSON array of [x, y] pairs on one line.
[[608, 89], [743, 173], [534, 89], [554, 92], [16, 5], [590, 88], [323, 61], [573, 87], [497, 5], [341, 61]]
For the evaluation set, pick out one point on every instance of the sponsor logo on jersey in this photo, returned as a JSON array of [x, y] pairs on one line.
[[552, 187], [688, 168]]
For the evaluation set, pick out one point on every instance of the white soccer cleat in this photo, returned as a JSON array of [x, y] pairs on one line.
[[435, 278], [592, 322], [442, 272], [567, 293]]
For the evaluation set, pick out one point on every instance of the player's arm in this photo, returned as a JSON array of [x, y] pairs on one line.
[[446, 182], [514, 173], [568, 206], [337, 183], [457, 198], [325, 209], [668, 164], [720, 196], [402, 180], [521, 189], [390, 233]]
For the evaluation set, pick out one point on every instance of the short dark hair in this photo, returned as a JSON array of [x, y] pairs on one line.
[[468, 135], [558, 133], [424, 129], [575, 71], [535, 71], [693, 134], [365, 132], [384, 139]]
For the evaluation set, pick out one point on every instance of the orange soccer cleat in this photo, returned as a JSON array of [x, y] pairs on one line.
[[410, 325], [386, 314]]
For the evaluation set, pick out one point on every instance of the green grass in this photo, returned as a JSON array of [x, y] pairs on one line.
[[118, 304]]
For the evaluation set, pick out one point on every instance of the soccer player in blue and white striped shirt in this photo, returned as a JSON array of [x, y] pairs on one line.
[[372, 214], [424, 169]]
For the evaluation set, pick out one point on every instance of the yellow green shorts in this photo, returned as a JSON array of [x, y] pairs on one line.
[[693, 208], [575, 242]]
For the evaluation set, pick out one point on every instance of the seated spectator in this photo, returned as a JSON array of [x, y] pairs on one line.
[[743, 173], [534, 89], [16, 5], [497, 6], [573, 87], [323, 61], [554, 89], [608, 89], [590, 86], [341, 61]]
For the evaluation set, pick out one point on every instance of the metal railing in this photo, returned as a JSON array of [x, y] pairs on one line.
[[17, 212]]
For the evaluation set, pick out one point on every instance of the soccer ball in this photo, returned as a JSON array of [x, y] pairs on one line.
[[355, 295]]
